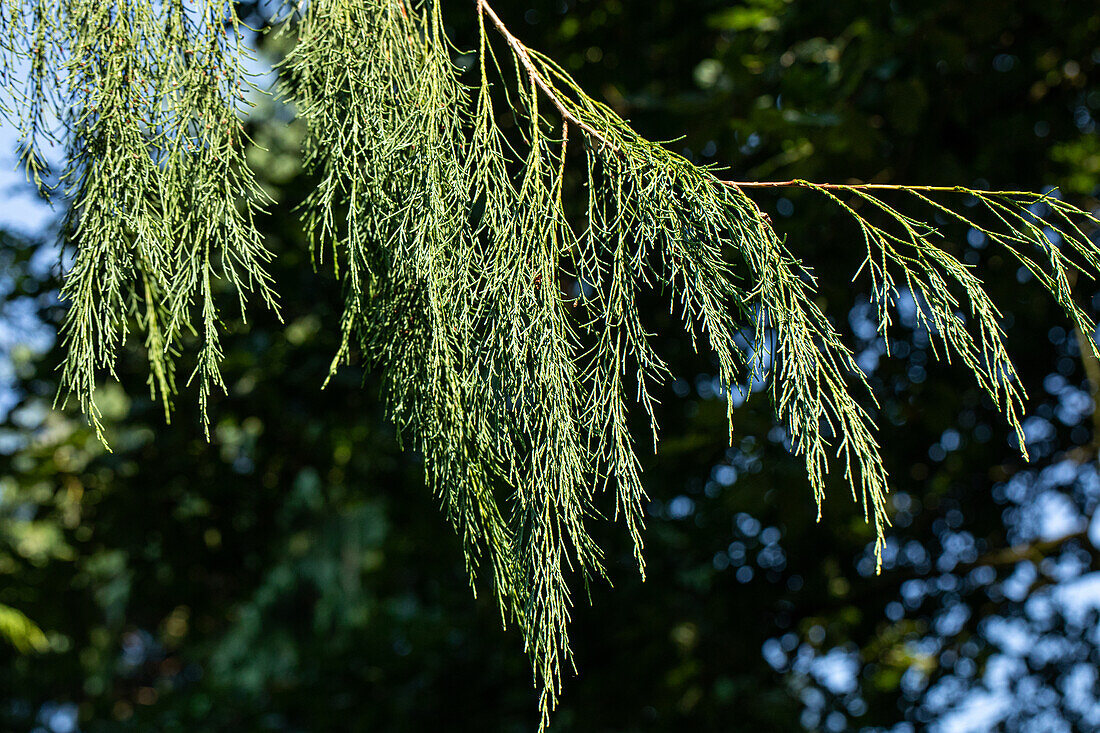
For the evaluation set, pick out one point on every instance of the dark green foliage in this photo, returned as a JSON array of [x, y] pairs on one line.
[[504, 313]]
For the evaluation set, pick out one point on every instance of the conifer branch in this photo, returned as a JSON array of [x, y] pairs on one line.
[[506, 326], [799, 183], [524, 56]]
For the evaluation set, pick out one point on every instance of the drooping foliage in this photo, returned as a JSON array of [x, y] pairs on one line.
[[495, 231], [145, 98]]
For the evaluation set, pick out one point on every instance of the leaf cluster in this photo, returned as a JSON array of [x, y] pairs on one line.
[[147, 99], [503, 311]]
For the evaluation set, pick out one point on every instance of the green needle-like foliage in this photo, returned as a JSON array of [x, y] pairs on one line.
[[147, 99], [503, 312]]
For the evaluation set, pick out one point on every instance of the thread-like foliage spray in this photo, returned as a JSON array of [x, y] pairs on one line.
[[147, 98], [504, 316]]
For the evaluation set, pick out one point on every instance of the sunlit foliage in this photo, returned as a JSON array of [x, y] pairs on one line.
[[499, 296]]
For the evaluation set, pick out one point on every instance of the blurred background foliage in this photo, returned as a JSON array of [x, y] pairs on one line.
[[293, 574]]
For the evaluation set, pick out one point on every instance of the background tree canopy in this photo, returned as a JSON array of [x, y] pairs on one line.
[[294, 572]]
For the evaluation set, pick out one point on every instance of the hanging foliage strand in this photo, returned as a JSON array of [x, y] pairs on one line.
[[505, 324]]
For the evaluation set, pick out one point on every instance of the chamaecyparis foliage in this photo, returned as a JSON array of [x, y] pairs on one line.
[[500, 305], [145, 98]]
